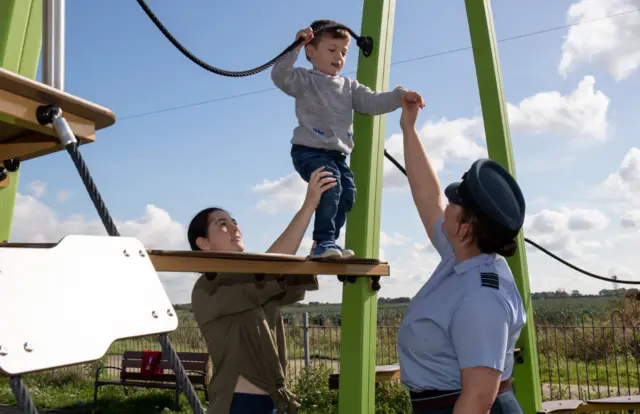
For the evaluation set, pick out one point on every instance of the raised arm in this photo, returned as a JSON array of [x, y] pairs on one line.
[[285, 76], [366, 101], [423, 181], [289, 241]]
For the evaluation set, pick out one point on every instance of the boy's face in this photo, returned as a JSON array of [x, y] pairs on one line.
[[329, 54]]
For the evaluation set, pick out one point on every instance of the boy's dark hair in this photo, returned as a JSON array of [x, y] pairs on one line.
[[333, 33], [199, 226], [486, 236]]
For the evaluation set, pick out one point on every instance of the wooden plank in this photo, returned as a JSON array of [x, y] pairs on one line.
[[164, 364], [249, 263], [383, 373], [171, 378], [200, 262], [36, 91], [184, 356], [22, 137], [561, 406]]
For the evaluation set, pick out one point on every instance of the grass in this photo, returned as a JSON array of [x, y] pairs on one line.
[[564, 351]]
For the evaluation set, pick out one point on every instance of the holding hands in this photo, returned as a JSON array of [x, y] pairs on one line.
[[412, 103]]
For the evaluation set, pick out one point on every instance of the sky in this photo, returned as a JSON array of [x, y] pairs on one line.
[[186, 138]]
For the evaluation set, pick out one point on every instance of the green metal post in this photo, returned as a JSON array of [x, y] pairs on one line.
[[359, 302], [496, 125], [20, 43]]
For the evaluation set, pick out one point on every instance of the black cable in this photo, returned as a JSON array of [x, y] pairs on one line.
[[399, 62], [536, 245], [364, 42]]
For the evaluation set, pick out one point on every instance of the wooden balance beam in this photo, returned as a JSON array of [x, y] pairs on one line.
[[22, 137], [256, 263], [616, 404]]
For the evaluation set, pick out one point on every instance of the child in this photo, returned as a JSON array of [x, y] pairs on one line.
[[325, 102]]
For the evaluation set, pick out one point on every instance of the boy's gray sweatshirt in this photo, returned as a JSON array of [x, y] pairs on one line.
[[325, 104]]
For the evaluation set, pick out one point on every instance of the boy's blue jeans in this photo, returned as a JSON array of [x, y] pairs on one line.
[[336, 202]]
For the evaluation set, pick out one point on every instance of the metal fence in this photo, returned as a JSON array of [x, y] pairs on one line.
[[586, 359]]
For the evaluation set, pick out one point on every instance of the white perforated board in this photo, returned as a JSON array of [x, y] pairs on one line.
[[66, 304]]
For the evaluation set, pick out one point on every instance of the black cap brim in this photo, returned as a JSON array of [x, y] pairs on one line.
[[452, 194]]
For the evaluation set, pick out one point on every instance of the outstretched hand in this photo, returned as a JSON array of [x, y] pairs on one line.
[[411, 105], [319, 182]]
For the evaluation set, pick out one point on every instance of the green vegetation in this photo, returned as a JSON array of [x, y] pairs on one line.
[[592, 341]]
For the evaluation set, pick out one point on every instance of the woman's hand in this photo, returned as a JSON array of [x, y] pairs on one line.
[[410, 109], [319, 182]]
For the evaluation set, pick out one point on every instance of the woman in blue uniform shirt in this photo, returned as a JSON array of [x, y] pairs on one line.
[[457, 339]]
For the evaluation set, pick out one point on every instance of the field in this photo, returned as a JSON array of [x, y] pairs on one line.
[[585, 345]]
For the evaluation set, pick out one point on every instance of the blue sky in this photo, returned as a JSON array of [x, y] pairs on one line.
[[567, 140]]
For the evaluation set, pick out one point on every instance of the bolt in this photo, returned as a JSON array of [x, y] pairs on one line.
[[169, 312], [28, 347], [126, 254], [154, 314], [141, 253], [3, 350]]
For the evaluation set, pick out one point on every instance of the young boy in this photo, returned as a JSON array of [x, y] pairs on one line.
[[325, 102]]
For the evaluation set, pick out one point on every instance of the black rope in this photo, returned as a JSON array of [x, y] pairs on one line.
[[50, 114], [21, 393], [534, 244], [364, 42]]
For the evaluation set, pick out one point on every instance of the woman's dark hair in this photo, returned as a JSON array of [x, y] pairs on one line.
[[487, 235], [199, 226]]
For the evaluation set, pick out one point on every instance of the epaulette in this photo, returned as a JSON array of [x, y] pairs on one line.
[[490, 280]]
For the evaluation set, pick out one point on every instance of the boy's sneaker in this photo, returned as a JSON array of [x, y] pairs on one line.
[[325, 250], [346, 253]]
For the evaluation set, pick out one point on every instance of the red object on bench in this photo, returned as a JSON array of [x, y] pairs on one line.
[[150, 362]]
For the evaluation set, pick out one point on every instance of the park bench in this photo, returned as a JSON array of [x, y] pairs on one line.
[[630, 404], [195, 364]]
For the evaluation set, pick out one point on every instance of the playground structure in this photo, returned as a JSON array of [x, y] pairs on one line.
[[37, 119]]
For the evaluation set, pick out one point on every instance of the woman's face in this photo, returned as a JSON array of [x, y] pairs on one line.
[[224, 235], [452, 224]]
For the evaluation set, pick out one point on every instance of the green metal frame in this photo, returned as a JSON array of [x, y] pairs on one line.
[[359, 302], [496, 126], [20, 44]]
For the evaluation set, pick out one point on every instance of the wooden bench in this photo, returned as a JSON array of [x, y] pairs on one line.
[[195, 364], [630, 404], [383, 373]]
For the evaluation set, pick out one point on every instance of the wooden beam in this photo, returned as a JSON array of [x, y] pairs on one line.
[[22, 137], [201, 262]]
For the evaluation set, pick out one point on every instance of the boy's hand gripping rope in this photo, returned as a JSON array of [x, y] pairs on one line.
[[364, 42]]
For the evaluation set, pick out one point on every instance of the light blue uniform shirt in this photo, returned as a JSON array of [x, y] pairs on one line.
[[466, 315]]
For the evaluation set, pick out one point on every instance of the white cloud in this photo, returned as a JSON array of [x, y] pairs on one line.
[[395, 239], [443, 140], [613, 42], [582, 113], [63, 196], [37, 189], [35, 222], [286, 193], [625, 182], [630, 219], [556, 230]]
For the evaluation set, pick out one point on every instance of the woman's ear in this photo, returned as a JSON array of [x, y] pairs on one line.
[[202, 243]]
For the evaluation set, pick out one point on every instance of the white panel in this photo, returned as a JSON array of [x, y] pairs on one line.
[[70, 302]]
